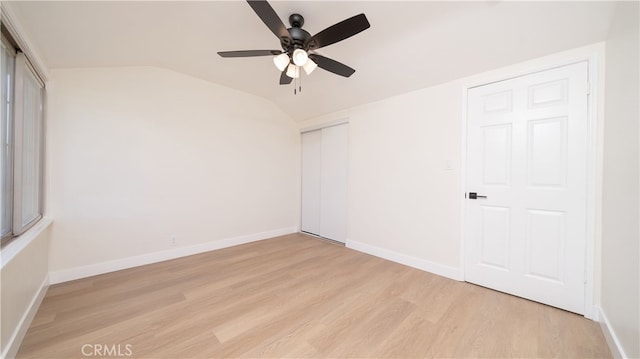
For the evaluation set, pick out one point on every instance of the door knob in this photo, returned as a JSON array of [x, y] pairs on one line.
[[473, 195]]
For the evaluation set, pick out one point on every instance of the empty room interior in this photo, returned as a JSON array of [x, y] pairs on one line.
[[320, 179]]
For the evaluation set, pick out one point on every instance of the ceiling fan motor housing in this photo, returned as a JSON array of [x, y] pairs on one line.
[[297, 34]]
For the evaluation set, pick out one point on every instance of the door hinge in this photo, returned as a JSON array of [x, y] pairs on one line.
[[588, 89]]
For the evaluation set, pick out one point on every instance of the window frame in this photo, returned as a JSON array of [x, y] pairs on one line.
[[24, 71], [7, 130]]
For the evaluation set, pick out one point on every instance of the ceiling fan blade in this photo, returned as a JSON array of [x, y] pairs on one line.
[[249, 53], [338, 32], [332, 65], [266, 13], [284, 79]]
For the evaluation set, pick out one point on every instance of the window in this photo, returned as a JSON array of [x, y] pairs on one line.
[[8, 61], [22, 142]]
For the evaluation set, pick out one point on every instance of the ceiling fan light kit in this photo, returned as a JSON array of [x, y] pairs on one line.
[[298, 45], [309, 66], [281, 61], [293, 71], [300, 57]]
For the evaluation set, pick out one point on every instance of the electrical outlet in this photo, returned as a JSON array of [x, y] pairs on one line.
[[174, 241]]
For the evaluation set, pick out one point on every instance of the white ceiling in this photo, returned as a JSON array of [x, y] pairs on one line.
[[410, 45]]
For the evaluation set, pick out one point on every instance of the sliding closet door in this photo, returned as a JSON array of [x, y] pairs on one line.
[[333, 183], [324, 182], [311, 165]]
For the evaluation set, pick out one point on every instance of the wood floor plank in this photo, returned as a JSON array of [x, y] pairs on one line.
[[297, 296], [411, 339]]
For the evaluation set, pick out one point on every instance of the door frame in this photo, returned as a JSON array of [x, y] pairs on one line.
[[595, 74]]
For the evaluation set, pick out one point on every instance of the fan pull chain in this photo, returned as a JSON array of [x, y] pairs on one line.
[[297, 83]]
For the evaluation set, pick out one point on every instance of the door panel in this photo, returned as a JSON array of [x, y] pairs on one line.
[[495, 237], [547, 152], [311, 167], [333, 211], [496, 154], [527, 152], [545, 243]]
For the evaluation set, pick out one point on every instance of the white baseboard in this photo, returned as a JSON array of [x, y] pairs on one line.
[[418, 263], [66, 275], [20, 331], [609, 334]]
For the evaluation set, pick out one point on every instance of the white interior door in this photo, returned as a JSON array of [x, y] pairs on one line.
[[527, 153], [333, 202], [324, 182], [311, 165]]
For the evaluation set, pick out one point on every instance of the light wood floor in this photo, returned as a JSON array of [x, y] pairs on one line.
[[297, 296]]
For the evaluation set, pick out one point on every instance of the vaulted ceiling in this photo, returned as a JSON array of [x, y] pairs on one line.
[[410, 45]]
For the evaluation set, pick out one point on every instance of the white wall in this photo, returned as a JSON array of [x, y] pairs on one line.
[[140, 155], [401, 197], [620, 213], [24, 277], [404, 204]]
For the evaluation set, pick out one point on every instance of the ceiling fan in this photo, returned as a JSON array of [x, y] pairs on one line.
[[298, 45]]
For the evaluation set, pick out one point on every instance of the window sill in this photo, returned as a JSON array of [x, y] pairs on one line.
[[19, 243]]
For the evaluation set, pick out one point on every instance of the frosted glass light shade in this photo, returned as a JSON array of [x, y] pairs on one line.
[[281, 61], [300, 57], [293, 71], [309, 66]]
